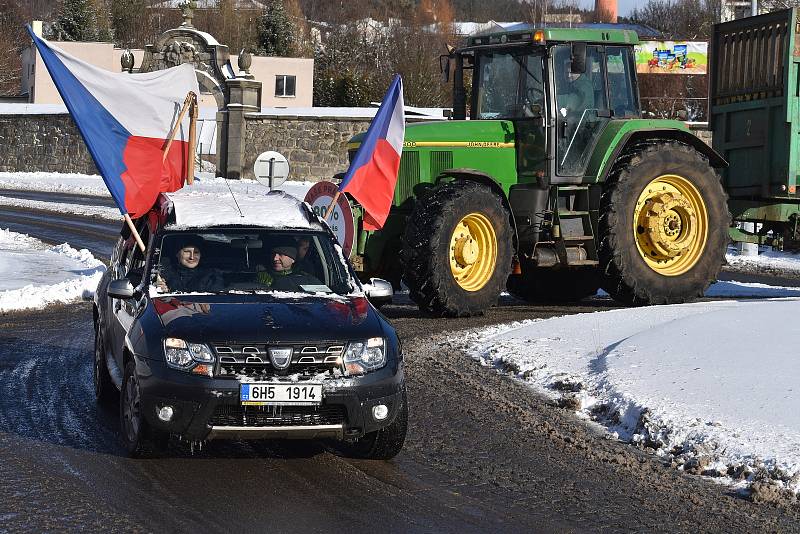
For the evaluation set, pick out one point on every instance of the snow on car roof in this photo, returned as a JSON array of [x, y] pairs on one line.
[[272, 210]]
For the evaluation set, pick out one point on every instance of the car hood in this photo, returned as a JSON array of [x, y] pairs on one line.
[[266, 318]]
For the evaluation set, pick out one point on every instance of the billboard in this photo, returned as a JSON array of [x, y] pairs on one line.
[[672, 57]]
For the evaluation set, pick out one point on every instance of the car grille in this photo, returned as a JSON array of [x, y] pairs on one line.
[[252, 360], [248, 416]]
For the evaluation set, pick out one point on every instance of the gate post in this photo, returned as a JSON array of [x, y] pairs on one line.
[[244, 96]]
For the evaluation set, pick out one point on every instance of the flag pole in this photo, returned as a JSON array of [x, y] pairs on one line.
[[135, 232], [189, 98], [332, 204], [192, 141]]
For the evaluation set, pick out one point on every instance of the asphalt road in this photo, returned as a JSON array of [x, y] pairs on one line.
[[483, 453]]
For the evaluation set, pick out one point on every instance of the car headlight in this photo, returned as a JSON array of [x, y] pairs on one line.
[[363, 356], [195, 358]]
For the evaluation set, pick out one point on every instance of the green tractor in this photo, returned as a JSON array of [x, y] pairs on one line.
[[555, 186]]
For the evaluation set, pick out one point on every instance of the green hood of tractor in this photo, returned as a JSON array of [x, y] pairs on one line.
[[452, 133]]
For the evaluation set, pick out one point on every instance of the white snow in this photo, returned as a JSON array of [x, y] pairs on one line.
[[34, 274], [102, 212], [767, 259], [717, 381]]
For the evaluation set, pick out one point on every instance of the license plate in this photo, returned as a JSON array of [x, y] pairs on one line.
[[280, 394]]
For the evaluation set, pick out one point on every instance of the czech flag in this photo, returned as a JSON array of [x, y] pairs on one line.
[[125, 120], [372, 175]]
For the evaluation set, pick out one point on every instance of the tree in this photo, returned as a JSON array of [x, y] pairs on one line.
[[77, 21], [276, 30], [679, 19]]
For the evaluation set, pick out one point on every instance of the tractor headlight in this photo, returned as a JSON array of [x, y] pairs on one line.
[[363, 356], [189, 357]]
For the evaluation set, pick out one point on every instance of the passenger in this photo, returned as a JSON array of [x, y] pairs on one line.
[[282, 274], [186, 274], [303, 262]]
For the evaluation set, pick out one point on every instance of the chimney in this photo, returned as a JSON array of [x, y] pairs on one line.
[[606, 10]]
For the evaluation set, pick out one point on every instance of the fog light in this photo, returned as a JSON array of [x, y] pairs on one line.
[[380, 412], [165, 413]]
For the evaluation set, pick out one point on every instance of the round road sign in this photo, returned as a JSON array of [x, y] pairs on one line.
[[341, 219], [280, 168]]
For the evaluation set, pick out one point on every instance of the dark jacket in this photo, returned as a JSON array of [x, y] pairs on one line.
[[287, 280], [183, 279]]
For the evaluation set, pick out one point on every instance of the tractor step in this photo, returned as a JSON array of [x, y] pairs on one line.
[[571, 213], [578, 237], [581, 263]]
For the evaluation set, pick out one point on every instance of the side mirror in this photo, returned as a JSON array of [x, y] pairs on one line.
[[444, 67], [379, 291], [578, 63], [121, 289]]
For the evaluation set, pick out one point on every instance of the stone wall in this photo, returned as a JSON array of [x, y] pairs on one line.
[[48, 143], [316, 147]]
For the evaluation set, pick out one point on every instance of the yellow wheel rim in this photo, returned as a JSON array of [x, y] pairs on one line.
[[473, 252], [670, 225]]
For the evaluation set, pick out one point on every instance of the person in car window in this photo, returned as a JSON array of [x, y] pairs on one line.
[[186, 274], [303, 262], [282, 273]]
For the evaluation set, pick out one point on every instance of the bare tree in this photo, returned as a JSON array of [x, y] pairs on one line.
[[679, 19]]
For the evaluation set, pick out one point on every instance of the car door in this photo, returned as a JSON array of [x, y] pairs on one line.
[[124, 311]]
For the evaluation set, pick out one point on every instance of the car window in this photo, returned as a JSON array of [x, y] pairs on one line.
[[250, 260]]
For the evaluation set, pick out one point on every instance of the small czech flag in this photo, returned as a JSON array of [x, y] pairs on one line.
[[372, 175]]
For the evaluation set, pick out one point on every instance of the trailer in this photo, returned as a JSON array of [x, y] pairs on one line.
[[755, 119]]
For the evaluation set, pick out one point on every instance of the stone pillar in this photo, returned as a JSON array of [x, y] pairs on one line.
[[244, 96]]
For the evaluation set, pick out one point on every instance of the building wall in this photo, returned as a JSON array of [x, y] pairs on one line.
[[41, 90]]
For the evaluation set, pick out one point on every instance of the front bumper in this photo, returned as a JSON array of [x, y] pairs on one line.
[[209, 408]]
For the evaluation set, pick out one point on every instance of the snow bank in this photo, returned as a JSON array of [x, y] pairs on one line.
[[34, 274], [767, 260], [711, 387]]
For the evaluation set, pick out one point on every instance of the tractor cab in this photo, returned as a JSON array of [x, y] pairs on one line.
[[554, 84]]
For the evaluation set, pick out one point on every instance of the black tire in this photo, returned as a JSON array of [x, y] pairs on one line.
[[139, 438], [104, 390], [625, 274], [557, 286], [426, 249], [383, 444]]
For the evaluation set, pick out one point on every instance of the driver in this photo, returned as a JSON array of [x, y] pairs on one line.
[[575, 92]]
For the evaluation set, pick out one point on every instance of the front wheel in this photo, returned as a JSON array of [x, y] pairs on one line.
[[138, 437], [663, 225], [457, 250], [383, 444], [104, 390]]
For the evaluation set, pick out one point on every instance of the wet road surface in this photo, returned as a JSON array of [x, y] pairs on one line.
[[483, 453]]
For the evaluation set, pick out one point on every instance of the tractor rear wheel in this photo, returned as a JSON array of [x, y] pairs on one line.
[[663, 225], [457, 250], [551, 285]]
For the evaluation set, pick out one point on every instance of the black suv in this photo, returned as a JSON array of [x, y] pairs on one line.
[[243, 320]]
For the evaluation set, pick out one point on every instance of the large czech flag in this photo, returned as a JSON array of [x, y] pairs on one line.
[[125, 120], [372, 175]]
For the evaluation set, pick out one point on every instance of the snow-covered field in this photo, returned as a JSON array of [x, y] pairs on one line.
[[34, 274], [711, 387]]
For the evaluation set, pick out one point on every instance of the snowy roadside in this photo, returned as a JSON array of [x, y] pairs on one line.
[[34, 274], [93, 185], [711, 387], [768, 261]]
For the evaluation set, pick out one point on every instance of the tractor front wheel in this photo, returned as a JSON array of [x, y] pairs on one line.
[[457, 250]]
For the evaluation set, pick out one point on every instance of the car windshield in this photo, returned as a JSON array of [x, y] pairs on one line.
[[220, 261]]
